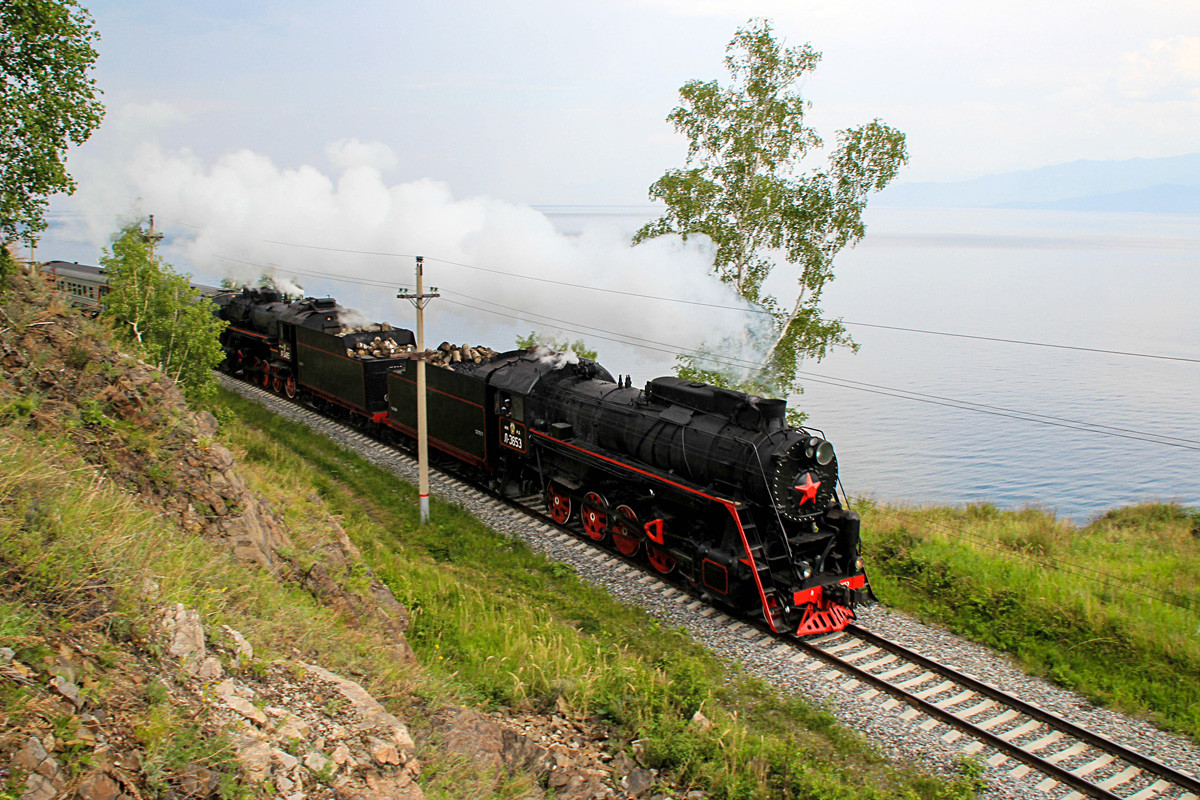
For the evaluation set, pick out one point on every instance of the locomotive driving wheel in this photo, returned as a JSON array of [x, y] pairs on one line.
[[277, 384], [659, 558], [558, 503], [595, 520], [624, 531], [289, 387]]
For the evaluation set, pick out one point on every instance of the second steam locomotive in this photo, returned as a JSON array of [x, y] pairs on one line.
[[703, 482]]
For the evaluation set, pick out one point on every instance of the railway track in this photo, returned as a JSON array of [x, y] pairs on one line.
[[1014, 738], [1072, 759]]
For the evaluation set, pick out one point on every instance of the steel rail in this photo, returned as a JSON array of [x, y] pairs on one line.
[[1117, 749], [1060, 774]]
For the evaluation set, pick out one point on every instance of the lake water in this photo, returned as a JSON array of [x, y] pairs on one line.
[[1126, 282]]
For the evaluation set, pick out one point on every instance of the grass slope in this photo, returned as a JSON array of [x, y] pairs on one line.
[[1111, 610], [497, 624]]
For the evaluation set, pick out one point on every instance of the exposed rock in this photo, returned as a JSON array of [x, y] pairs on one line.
[[383, 752], [198, 781], [99, 786], [30, 756], [638, 781], [242, 647], [491, 746], [184, 636], [247, 710], [38, 788], [68, 690], [254, 757], [374, 716], [286, 761], [316, 762]]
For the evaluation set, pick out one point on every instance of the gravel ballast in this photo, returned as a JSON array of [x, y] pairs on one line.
[[766, 657]]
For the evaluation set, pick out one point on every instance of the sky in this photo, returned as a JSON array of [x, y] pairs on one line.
[[445, 128], [564, 102]]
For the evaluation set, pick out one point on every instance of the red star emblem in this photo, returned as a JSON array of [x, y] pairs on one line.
[[808, 490]]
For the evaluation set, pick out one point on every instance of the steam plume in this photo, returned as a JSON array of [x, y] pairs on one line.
[[242, 215]]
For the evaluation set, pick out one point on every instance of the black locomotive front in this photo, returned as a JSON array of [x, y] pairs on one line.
[[712, 483]]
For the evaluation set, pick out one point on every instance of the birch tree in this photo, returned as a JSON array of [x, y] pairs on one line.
[[48, 102], [159, 312], [751, 185]]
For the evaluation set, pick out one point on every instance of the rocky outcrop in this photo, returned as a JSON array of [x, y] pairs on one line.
[[576, 759], [131, 421], [293, 727]]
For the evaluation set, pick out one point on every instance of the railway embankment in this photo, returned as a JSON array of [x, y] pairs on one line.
[[218, 604], [1110, 609]]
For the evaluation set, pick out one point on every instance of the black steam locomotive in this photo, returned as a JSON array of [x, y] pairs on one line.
[[704, 482]]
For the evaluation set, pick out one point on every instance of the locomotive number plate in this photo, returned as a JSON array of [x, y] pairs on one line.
[[512, 435]]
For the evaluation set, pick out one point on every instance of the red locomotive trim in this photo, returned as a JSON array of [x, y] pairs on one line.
[[816, 593], [245, 332], [462, 455], [730, 506], [749, 560], [429, 389], [704, 575], [855, 581], [654, 532], [806, 596], [834, 618], [631, 468], [335, 400]]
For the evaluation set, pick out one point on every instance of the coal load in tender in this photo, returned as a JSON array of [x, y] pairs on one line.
[[448, 354], [381, 346]]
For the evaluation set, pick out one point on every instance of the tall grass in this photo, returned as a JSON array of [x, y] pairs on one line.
[[498, 625], [1110, 609]]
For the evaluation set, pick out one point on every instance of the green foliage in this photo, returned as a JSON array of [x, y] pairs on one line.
[[748, 187], [8, 265], [158, 311], [47, 103], [1110, 610], [535, 339]]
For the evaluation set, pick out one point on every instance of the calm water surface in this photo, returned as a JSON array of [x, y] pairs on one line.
[[1127, 282]]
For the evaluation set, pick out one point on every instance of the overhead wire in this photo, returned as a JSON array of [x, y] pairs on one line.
[[904, 394], [741, 309], [887, 391], [646, 344]]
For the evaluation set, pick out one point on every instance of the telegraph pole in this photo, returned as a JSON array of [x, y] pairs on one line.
[[419, 301], [152, 237]]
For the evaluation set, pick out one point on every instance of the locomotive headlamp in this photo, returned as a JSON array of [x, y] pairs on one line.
[[819, 449], [859, 563], [806, 570]]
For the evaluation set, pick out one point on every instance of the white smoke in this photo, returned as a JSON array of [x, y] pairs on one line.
[[241, 215], [557, 359]]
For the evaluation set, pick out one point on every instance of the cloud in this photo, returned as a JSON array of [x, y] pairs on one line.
[[1165, 70], [347, 153]]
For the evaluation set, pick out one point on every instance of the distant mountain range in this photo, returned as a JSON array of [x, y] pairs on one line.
[[1151, 185]]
